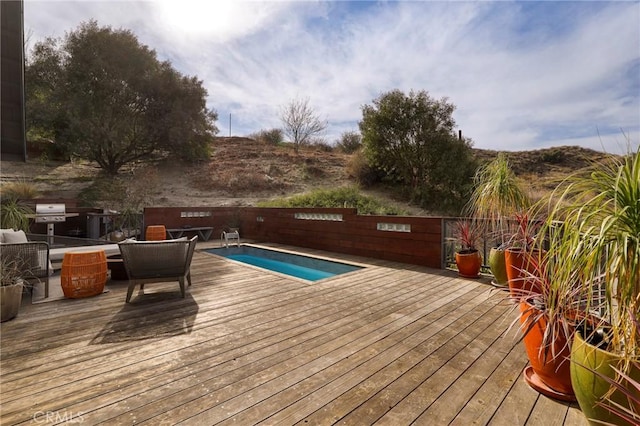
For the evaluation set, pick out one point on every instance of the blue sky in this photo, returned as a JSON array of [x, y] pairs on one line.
[[523, 75]]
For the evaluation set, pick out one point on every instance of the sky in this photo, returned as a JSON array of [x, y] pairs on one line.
[[523, 75]]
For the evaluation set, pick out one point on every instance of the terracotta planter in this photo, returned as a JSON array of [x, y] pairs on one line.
[[498, 266], [10, 301], [469, 263], [591, 388], [521, 266], [549, 372]]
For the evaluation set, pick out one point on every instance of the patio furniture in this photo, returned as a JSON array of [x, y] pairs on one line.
[[33, 259], [155, 233], [157, 261], [204, 232], [83, 274], [57, 254], [230, 237]]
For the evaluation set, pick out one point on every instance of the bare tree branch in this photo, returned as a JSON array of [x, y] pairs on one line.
[[301, 122]]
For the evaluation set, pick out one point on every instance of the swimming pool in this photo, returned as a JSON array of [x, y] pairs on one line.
[[304, 267]]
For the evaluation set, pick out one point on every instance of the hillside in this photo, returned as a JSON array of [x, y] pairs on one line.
[[541, 170], [242, 172]]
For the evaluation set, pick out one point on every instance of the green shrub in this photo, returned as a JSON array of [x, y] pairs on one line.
[[271, 137], [358, 168], [349, 142], [322, 145], [125, 192], [553, 156], [343, 197]]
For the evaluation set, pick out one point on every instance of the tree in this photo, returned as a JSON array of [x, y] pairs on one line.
[[411, 139], [107, 98], [301, 122]]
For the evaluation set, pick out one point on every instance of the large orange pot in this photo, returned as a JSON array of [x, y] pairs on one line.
[[522, 267], [469, 263], [549, 372]]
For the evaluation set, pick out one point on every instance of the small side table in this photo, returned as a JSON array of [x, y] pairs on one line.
[[83, 274]]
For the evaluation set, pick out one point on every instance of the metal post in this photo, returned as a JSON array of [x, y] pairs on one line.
[[50, 233]]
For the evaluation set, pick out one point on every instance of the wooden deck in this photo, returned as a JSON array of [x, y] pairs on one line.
[[390, 344]]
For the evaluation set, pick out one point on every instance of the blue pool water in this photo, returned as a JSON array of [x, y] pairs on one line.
[[304, 267]]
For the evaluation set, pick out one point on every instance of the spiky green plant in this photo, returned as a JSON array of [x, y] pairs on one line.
[[594, 228], [14, 214], [497, 196]]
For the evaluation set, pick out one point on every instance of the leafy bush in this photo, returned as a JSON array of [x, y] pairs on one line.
[[322, 145], [344, 197], [44, 148], [412, 139], [553, 156], [358, 168], [271, 137], [349, 142], [123, 193]]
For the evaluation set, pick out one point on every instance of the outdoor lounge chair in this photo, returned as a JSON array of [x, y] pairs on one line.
[[32, 257], [157, 261]]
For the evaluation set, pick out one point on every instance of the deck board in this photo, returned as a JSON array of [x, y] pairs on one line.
[[389, 344]]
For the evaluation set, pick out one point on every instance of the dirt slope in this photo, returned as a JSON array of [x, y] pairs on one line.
[[242, 171]]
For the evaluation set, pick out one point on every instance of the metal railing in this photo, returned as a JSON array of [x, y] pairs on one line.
[[63, 241], [450, 245]]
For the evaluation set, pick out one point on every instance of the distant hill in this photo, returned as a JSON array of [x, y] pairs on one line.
[[563, 159], [542, 169]]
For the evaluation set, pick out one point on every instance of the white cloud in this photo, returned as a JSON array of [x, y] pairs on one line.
[[523, 75]]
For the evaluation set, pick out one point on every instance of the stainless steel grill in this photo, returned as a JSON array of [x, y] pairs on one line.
[[50, 213]]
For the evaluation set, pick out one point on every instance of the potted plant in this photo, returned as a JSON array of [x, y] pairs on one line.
[[598, 247], [11, 284], [628, 389], [523, 257], [14, 214], [495, 199], [468, 257], [547, 320]]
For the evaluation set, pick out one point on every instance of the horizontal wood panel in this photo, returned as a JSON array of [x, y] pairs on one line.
[[355, 234], [392, 343]]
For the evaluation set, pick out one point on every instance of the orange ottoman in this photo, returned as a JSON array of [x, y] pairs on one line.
[[155, 233], [83, 274]]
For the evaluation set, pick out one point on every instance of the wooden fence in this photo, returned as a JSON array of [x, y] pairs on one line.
[[408, 239]]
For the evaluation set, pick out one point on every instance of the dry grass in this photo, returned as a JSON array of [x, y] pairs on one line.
[[243, 171], [19, 190]]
